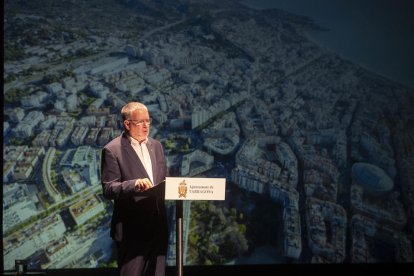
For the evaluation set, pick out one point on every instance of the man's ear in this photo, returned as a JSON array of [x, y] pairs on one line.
[[126, 124]]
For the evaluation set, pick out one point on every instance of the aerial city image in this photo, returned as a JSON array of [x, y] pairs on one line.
[[317, 149]]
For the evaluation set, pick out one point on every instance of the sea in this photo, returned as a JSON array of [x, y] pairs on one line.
[[376, 34]]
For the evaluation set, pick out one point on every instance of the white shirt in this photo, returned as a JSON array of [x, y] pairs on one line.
[[142, 151]]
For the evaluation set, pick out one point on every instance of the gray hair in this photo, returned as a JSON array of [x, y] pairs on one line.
[[129, 107]]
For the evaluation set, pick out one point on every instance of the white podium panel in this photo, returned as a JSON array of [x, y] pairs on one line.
[[193, 188]]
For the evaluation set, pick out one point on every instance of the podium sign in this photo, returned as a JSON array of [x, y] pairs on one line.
[[190, 188], [193, 188]]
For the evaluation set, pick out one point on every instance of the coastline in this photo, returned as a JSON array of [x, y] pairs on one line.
[[358, 63], [327, 38]]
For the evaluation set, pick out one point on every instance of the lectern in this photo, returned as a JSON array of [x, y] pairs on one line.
[[190, 188]]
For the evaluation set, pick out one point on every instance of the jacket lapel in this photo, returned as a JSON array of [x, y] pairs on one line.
[[132, 155], [151, 150]]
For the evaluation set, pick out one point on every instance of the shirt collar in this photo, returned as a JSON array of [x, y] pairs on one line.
[[136, 142]]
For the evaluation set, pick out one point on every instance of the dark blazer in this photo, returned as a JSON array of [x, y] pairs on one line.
[[137, 216]]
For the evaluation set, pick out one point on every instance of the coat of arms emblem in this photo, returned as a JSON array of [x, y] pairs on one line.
[[182, 189]]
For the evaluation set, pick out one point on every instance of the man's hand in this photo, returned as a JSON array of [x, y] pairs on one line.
[[142, 184]]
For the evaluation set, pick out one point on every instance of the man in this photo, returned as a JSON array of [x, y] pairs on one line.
[[131, 165]]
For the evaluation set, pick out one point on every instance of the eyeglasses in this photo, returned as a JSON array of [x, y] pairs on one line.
[[141, 122]]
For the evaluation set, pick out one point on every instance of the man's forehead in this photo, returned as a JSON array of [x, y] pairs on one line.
[[140, 113]]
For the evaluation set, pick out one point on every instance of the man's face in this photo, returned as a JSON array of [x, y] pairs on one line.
[[138, 125]]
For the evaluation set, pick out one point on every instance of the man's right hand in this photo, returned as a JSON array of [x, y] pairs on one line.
[[142, 184]]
